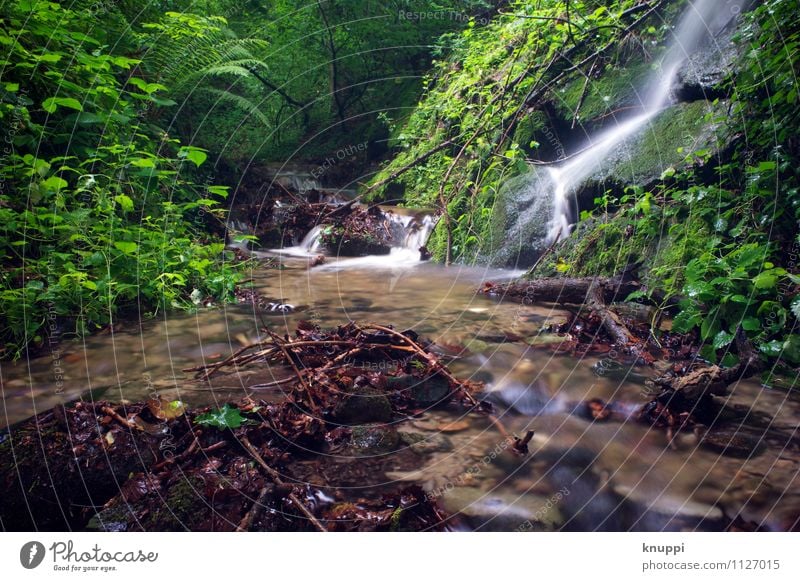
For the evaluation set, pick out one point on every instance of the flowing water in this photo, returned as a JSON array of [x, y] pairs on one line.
[[580, 475]]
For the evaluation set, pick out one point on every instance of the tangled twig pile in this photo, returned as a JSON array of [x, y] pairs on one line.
[[156, 465]]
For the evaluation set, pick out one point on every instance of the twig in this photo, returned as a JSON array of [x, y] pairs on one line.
[[432, 359], [127, 423], [275, 383], [256, 509], [276, 478], [276, 340]]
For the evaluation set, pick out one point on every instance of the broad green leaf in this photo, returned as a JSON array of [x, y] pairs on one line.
[[55, 183], [124, 202], [791, 348], [796, 306], [751, 324], [722, 339], [226, 417], [685, 321], [142, 162], [221, 191], [771, 349], [710, 326], [52, 103], [196, 155], [126, 247], [765, 280]]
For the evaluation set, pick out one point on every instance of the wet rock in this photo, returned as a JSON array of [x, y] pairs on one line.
[[635, 311], [703, 73], [55, 465], [618, 371], [528, 400], [666, 512], [426, 443], [426, 392], [504, 511], [373, 440], [737, 442], [431, 391], [364, 405]]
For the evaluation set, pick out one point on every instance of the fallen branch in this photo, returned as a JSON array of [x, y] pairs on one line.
[[593, 293], [712, 379]]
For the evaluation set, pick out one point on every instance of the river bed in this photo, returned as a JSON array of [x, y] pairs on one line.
[[580, 475]]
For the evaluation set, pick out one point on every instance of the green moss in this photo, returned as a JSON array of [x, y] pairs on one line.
[[604, 246], [183, 508]]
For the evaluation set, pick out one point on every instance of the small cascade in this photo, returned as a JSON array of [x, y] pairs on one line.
[[298, 181], [312, 241], [408, 232], [234, 230], [417, 231]]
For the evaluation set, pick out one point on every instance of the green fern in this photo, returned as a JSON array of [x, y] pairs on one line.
[[190, 53], [243, 103]]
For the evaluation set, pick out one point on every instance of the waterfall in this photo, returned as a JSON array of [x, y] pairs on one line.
[[701, 21]]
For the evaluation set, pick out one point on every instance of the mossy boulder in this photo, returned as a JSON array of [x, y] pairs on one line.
[[364, 405]]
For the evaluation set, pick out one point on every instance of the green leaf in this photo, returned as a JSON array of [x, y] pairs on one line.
[[161, 102], [698, 289], [124, 202], [710, 326], [143, 162], [226, 417], [51, 104], [791, 348], [48, 57], [771, 349], [765, 280], [796, 307], [194, 154], [639, 294], [54, 183], [722, 339], [221, 191], [126, 247], [751, 324], [685, 321]]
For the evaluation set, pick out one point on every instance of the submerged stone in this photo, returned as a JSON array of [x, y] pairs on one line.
[[373, 440], [504, 511], [426, 443], [732, 441]]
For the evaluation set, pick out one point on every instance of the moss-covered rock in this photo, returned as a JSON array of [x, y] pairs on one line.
[[675, 138]]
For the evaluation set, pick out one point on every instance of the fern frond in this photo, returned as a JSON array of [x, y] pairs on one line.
[[240, 102]]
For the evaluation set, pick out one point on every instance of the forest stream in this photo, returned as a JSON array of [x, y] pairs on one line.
[[580, 474]]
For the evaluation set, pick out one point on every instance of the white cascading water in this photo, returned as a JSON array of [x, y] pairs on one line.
[[702, 20], [413, 232]]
